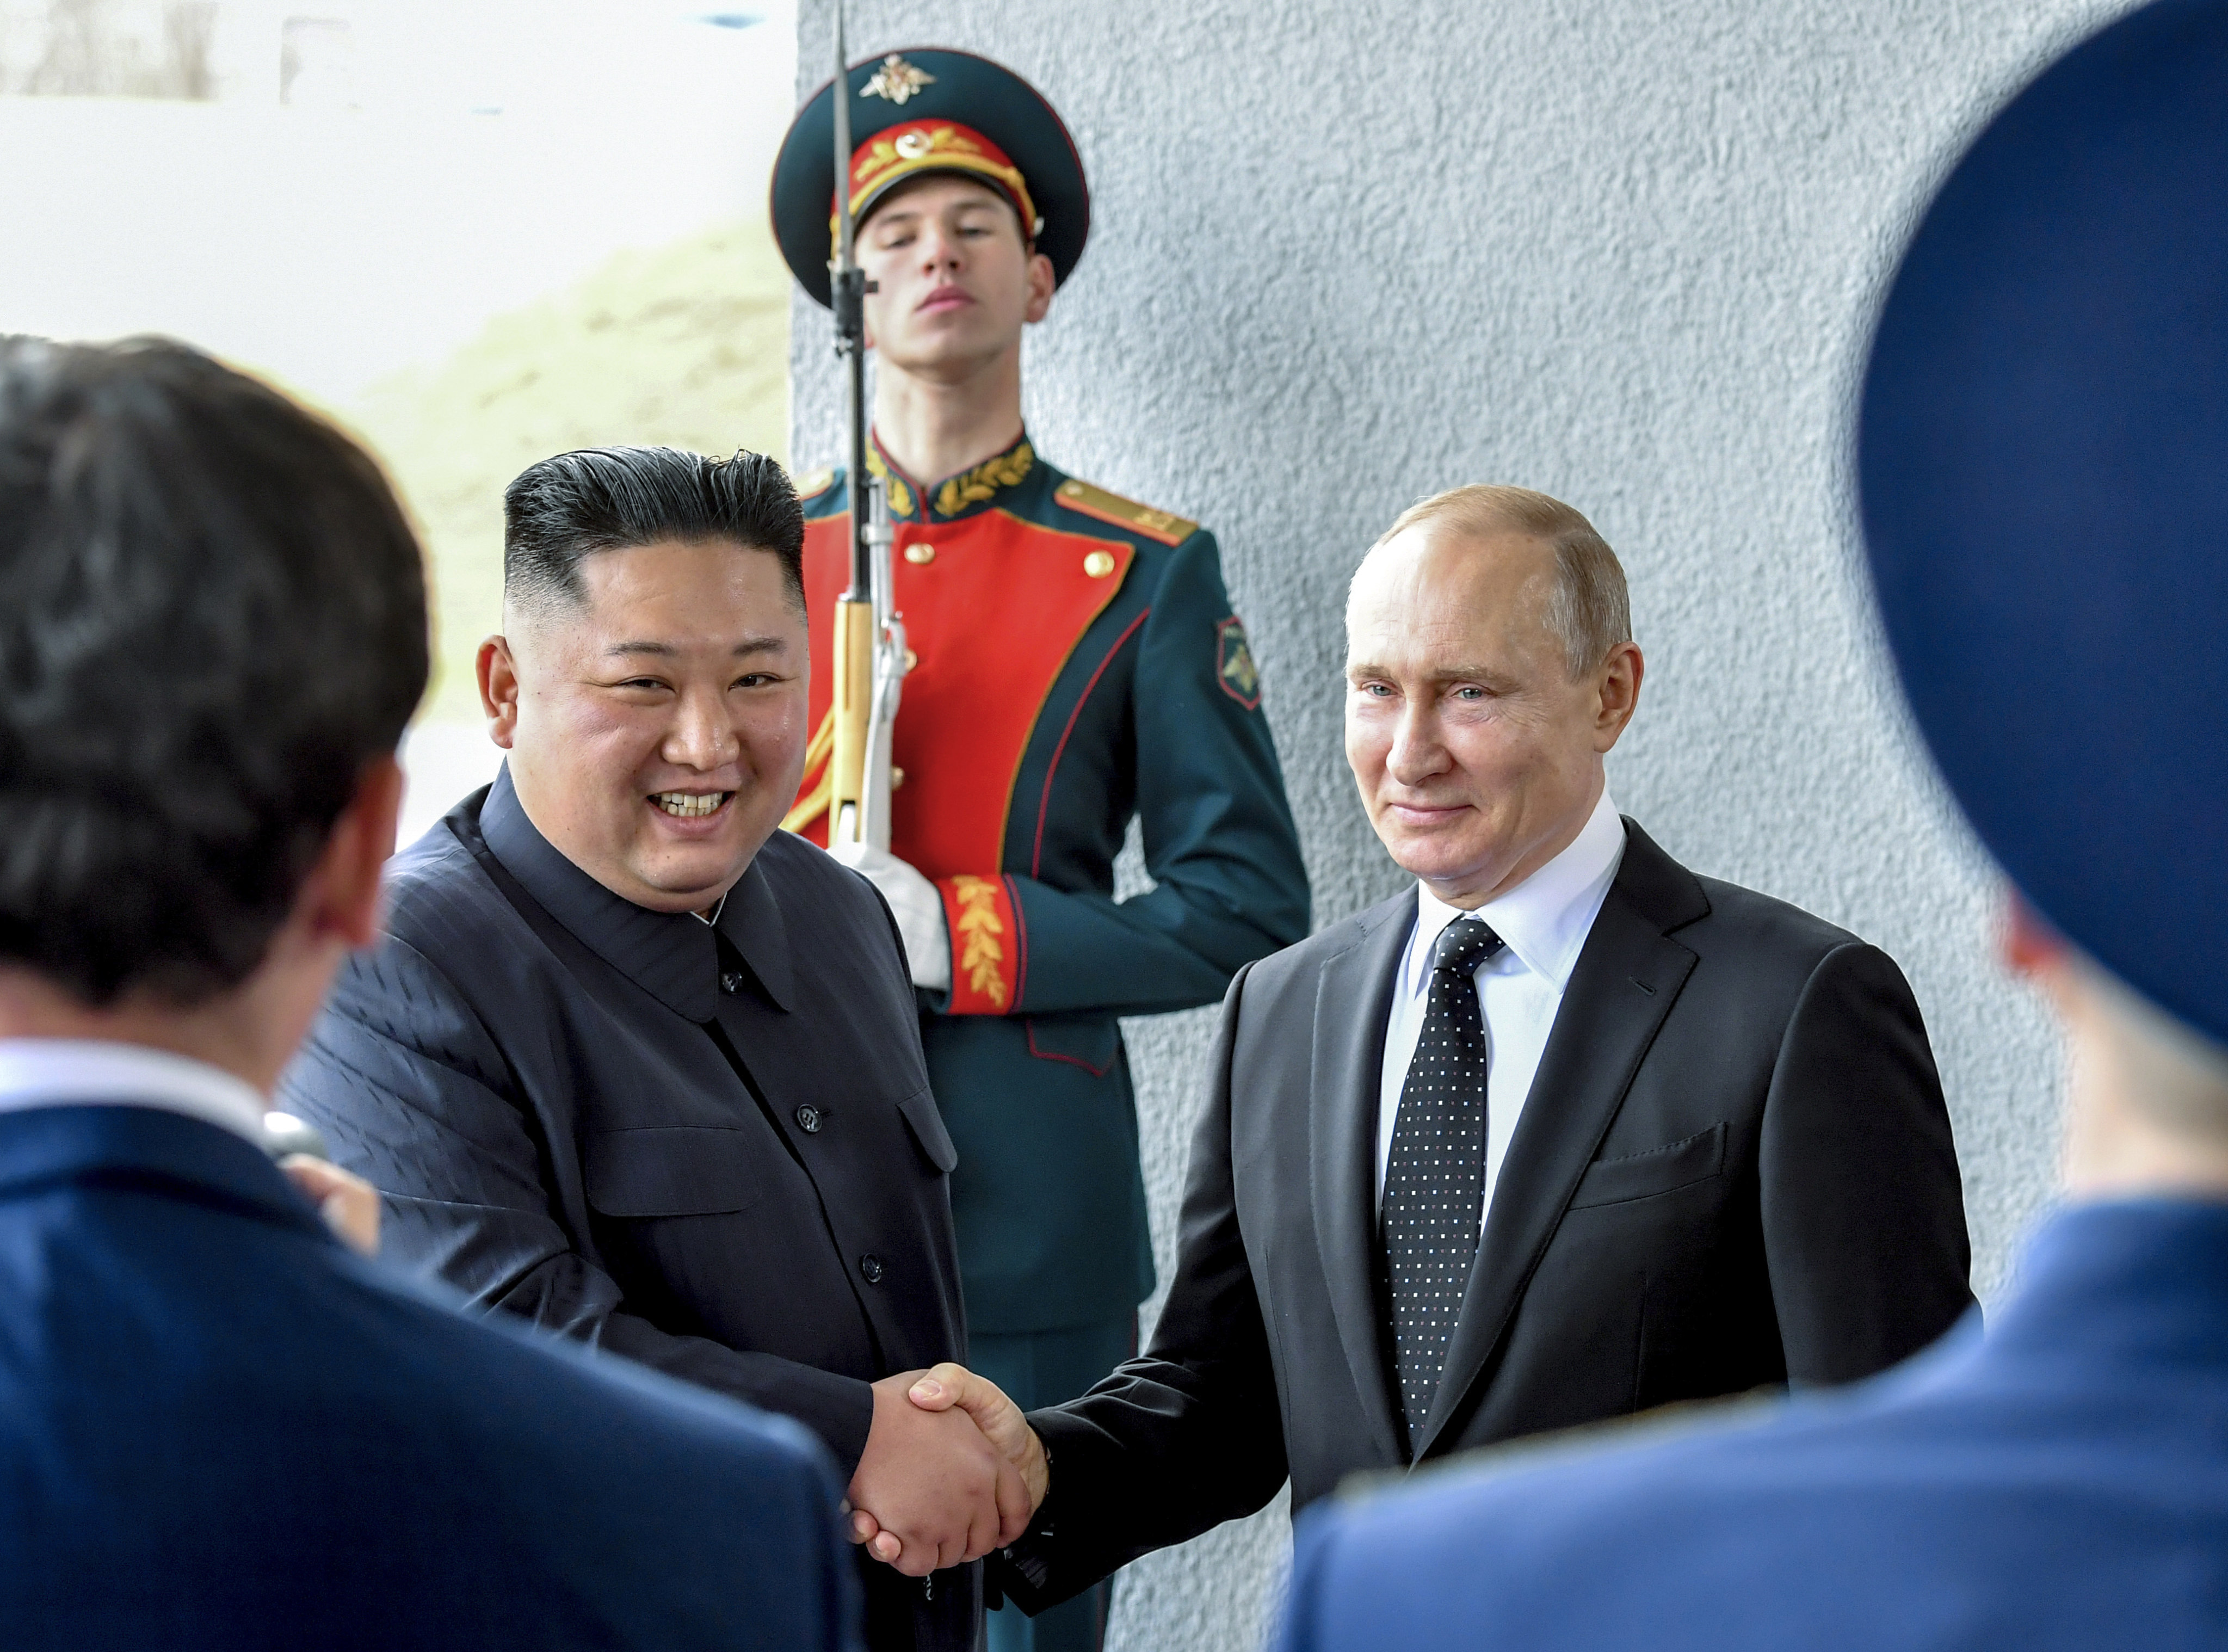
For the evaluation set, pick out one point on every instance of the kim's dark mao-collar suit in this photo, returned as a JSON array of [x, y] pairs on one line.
[[713, 1151], [1734, 1169]]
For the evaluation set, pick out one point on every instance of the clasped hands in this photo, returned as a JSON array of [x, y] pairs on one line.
[[951, 1471]]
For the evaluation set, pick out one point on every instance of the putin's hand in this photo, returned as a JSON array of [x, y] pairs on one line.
[[930, 1490], [950, 1389]]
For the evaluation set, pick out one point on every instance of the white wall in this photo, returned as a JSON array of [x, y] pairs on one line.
[[1625, 251]]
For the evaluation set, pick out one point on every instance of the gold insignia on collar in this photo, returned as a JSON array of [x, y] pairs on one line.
[[982, 482], [901, 496], [897, 81]]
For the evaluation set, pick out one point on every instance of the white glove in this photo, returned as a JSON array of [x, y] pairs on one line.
[[917, 908]]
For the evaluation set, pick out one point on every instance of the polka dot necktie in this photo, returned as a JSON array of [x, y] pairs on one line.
[[1435, 1179]]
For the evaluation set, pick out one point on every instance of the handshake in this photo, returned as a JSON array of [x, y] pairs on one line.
[[951, 1471]]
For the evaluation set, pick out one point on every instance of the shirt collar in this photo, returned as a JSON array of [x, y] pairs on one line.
[[69, 1072], [1544, 919], [671, 956]]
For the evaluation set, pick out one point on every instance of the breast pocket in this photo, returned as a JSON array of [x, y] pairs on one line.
[[1659, 1169], [673, 1170]]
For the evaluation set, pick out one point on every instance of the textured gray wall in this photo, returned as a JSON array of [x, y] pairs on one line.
[[1625, 251]]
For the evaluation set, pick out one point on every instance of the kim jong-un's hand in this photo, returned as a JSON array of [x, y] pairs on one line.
[[930, 1490], [953, 1390]]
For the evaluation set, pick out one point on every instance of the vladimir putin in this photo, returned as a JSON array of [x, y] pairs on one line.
[[1563, 1132], [2044, 437]]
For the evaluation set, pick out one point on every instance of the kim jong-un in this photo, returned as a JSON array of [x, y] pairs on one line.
[[636, 1066]]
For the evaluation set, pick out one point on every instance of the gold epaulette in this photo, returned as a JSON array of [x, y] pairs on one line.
[[1124, 513], [813, 483]]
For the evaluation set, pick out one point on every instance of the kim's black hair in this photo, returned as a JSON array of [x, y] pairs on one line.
[[569, 508], [212, 619]]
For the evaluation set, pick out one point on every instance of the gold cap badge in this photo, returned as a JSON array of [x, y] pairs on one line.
[[897, 81]]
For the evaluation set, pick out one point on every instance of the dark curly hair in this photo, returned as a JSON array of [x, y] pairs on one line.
[[212, 617]]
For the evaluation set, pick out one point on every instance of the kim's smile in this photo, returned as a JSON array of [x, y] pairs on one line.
[[690, 805]]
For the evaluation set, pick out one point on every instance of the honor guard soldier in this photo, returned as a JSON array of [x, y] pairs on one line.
[[1074, 661]]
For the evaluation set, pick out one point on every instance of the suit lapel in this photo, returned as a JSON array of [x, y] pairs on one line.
[[1353, 995], [1627, 977]]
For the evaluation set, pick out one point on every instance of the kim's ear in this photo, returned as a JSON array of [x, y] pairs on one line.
[[497, 669]]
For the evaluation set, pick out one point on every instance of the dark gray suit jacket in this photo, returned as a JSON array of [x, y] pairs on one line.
[[715, 1153], [1734, 1169]]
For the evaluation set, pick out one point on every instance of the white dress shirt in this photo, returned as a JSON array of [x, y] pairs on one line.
[[1544, 921], [67, 1071]]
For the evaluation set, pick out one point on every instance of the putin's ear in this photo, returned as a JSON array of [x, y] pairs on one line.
[[498, 679], [1620, 678]]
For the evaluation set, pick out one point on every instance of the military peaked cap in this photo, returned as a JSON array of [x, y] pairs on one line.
[[929, 109], [2043, 458]]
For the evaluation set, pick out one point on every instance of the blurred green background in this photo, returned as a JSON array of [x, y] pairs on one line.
[[686, 345]]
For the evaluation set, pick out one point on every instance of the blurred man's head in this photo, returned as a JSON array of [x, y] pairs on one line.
[[2041, 440], [2148, 1095], [649, 683], [1489, 667], [212, 634], [956, 278]]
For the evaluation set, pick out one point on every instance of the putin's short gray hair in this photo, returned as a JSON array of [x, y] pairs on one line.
[[1590, 611]]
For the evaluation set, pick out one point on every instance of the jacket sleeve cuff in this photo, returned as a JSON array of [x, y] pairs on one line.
[[1037, 1572], [987, 948]]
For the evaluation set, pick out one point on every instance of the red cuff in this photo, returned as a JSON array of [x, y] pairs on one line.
[[986, 953]]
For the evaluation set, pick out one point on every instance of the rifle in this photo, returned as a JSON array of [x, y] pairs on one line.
[[869, 660]]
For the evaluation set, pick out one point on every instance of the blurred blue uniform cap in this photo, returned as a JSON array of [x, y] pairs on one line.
[[2044, 469]]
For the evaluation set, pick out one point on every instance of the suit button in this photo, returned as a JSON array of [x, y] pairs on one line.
[[807, 1120], [871, 1268], [921, 555], [731, 981]]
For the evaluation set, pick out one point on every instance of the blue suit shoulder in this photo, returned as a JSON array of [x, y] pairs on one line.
[[1729, 1526], [235, 1434], [1965, 1499], [629, 1473]]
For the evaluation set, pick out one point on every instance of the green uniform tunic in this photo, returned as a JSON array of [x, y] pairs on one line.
[[1077, 666]]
